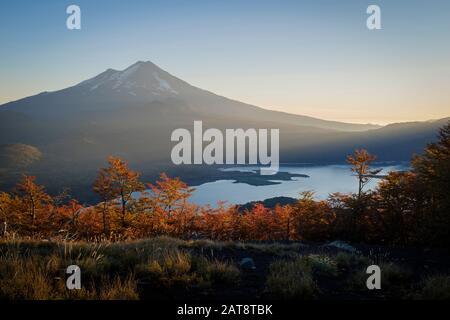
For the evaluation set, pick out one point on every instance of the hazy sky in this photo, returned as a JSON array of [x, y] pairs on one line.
[[307, 57]]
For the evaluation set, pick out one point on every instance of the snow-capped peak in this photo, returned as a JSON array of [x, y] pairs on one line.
[[141, 77]]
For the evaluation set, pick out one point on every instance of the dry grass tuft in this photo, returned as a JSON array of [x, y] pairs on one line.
[[291, 280], [436, 287]]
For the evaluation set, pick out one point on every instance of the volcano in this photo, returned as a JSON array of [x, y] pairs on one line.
[[131, 113]]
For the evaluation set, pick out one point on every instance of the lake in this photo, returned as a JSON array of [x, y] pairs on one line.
[[323, 180]]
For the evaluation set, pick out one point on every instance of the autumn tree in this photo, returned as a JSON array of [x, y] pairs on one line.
[[360, 162], [103, 187], [285, 228], [259, 221], [169, 202], [313, 220], [117, 181], [171, 193], [5, 212], [221, 223], [34, 202], [433, 170], [400, 203], [68, 214]]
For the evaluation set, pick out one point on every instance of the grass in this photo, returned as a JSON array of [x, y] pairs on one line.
[[178, 267], [292, 280], [220, 272], [395, 279], [436, 287], [23, 278], [168, 267], [394, 275], [347, 261], [119, 289], [322, 265], [278, 249], [33, 270], [171, 268]]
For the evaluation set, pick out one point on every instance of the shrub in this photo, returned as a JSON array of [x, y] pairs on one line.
[[322, 264], [219, 272], [118, 289], [394, 278], [24, 279], [168, 267], [348, 261], [291, 280]]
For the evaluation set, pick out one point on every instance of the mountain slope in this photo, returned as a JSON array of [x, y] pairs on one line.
[[144, 83]]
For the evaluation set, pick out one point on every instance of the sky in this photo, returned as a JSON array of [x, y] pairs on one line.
[[314, 57]]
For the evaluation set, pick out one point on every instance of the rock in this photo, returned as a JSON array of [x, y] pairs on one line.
[[247, 264], [342, 245]]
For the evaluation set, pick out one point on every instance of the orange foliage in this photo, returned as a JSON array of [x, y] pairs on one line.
[[313, 219], [407, 208], [162, 210]]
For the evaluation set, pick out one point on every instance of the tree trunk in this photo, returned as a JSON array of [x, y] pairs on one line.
[[105, 223], [123, 208], [360, 186]]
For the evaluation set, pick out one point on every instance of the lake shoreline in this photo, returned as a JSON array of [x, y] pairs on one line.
[[243, 185]]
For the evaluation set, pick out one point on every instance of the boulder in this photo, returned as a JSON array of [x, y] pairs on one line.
[[247, 264], [342, 245]]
